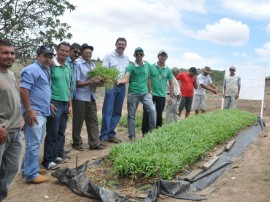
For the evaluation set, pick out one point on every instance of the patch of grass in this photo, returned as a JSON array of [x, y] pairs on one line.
[[175, 146]]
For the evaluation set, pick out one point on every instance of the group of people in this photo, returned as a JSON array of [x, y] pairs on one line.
[[57, 85]]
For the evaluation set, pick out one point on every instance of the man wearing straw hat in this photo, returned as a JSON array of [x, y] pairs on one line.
[[203, 80]]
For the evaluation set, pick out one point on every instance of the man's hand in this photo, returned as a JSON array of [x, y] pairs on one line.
[[31, 117], [170, 101], [3, 135], [53, 110], [69, 110], [214, 91], [237, 96], [96, 80], [22, 124]]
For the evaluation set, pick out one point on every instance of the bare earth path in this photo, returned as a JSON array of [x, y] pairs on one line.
[[248, 179]]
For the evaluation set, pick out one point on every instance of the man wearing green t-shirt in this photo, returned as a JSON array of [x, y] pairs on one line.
[[137, 74], [159, 74], [60, 108]]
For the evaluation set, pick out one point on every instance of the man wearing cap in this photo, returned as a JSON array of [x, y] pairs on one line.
[[137, 74], [172, 110], [61, 107], [114, 98], [188, 82], [35, 90], [160, 73], [84, 103], [203, 80], [232, 85], [10, 138]]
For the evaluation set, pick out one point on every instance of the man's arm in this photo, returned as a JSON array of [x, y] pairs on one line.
[[30, 113], [210, 89], [125, 79]]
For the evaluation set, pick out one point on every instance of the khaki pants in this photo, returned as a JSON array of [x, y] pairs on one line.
[[172, 110]]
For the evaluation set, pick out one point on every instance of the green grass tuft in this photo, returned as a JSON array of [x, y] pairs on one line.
[[175, 146]]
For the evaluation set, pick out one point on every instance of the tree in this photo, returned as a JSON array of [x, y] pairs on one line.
[[31, 23]]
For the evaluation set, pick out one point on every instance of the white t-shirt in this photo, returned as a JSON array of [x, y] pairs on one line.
[[201, 79], [232, 83]]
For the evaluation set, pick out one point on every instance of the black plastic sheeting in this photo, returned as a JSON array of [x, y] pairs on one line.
[[81, 184]]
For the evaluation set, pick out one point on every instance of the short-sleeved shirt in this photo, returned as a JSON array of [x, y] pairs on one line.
[[10, 113], [113, 59], [201, 79], [159, 77], [187, 84], [60, 78], [138, 81], [84, 93], [232, 83], [36, 79]]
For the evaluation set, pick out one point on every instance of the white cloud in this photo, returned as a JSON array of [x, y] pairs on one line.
[[267, 28], [264, 52], [240, 55], [225, 32], [191, 5], [249, 8]]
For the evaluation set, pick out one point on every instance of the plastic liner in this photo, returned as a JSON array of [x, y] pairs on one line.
[[80, 184]]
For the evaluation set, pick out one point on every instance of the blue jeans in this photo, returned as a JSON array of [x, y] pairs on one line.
[[9, 161], [132, 104], [55, 129], [112, 111], [33, 139]]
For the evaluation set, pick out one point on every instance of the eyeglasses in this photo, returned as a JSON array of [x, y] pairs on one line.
[[77, 52], [139, 54]]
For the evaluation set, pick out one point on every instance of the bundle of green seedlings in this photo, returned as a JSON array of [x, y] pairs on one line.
[[109, 75], [174, 147]]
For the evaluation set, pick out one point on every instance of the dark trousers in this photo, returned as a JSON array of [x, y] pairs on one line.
[[85, 111], [160, 105], [55, 132]]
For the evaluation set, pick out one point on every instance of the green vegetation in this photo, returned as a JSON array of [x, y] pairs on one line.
[[29, 24], [108, 74], [173, 147]]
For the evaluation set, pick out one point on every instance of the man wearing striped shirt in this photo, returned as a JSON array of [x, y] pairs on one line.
[[114, 98]]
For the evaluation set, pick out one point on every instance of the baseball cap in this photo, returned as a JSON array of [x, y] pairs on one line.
[[162, 51], [138, 49], [232, 67], [45, 50], [193, 70], [86, 46]]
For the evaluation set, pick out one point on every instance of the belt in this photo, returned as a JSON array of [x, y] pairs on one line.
[[60, 101]]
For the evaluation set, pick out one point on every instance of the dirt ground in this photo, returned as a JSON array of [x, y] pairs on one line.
[[247, 180]]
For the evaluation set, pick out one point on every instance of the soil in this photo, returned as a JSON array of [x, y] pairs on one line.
[[247, 180]]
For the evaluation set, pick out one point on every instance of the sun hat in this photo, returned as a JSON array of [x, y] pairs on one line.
[[207, 69]]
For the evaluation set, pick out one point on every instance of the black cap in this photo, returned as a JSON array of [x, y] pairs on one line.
[[86, 46], [193, 70], [45, 50]]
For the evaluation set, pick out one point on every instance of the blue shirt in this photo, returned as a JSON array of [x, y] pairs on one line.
[[73, 76], [85, 93], [36, 79]]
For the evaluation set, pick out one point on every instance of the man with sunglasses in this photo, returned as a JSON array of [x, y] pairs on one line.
[[137, 74], [160, 73], [114, 98], [35, 90]]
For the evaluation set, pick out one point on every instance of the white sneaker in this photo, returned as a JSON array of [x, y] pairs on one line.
[[60, 160], [52, 166]]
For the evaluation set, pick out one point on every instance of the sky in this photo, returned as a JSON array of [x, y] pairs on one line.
[[216, 33]]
